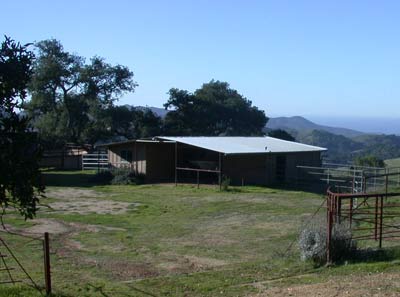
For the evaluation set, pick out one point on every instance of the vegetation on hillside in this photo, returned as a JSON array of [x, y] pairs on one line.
[[342, 149], [281, 134], [369, 161]]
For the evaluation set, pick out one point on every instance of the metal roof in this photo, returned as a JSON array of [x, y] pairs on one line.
[[244, 145]]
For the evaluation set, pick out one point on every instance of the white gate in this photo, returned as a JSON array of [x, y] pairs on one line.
[[95, 161]]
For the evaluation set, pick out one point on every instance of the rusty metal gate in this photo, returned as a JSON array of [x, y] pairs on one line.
[[371, 216]]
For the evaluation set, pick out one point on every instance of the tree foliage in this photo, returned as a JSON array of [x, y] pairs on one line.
[[369, 161], [214, 109], [70, 96], [281, 134], [20, 179], [132, 123]]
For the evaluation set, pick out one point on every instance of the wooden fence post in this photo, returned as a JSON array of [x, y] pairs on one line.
[[329, 231], [46, 253]]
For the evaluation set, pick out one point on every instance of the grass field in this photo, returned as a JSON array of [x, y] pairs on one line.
[[162, 240], [393, 162]]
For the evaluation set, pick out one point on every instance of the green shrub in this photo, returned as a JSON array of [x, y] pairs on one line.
[[225, 183], [102, 177], [118, 176], [124, 176]]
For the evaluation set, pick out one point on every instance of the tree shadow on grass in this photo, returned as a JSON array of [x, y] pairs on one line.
[[376, 255], [54, 178], [372, 255]]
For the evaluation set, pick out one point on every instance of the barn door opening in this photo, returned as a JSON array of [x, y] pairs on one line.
[[280, 168]]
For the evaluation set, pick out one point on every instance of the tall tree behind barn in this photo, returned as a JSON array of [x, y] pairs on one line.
[[213, 110]]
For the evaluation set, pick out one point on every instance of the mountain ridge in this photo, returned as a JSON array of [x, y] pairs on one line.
[[302, 124]]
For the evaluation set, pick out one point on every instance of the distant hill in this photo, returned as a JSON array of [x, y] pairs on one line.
[[343, 149], [161, 112], [303, 125], [343, 144]]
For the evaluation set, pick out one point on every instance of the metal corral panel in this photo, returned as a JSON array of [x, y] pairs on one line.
[[245, 145]]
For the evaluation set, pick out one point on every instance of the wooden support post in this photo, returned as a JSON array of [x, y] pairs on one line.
[[398, 177], [351, 211], [364, 185], [386, 184], [327, 178], [136, 159], [329, 231], [381, 223], [198, 179], [220, 172], [376, 218], [176, 164], [46, 252], [98, 160]]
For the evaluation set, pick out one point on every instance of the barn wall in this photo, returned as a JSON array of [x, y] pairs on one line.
[[157, 162], [300, 159], [138, 156]]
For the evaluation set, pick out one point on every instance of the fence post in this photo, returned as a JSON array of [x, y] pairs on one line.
[[327, 178], [351, 211], [398, 177], [46, 254], [376, 218], [329, 235], [381, 223], [98, 161]]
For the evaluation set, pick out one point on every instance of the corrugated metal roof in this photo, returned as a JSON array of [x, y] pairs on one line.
[[244, 145]]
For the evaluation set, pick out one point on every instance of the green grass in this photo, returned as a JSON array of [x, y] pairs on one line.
[[393, 162], [175, 241]]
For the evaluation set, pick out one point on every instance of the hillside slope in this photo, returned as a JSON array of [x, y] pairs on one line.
[[301, 124]]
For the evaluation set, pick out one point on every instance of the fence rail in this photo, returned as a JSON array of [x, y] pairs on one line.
[[372, 216], [349, 178], [95, 161]]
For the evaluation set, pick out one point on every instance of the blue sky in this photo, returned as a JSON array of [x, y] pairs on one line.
[[311, 58]]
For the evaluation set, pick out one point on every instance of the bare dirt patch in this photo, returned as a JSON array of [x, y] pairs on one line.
[[39, 227], [47, 225], [188, 263], [83, 201], [88, 206], [382, 284], [73, 193]]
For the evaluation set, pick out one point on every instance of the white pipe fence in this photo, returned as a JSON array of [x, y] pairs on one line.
[[95, 161]]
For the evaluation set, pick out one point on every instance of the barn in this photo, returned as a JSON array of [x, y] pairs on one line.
[[244, 160]]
